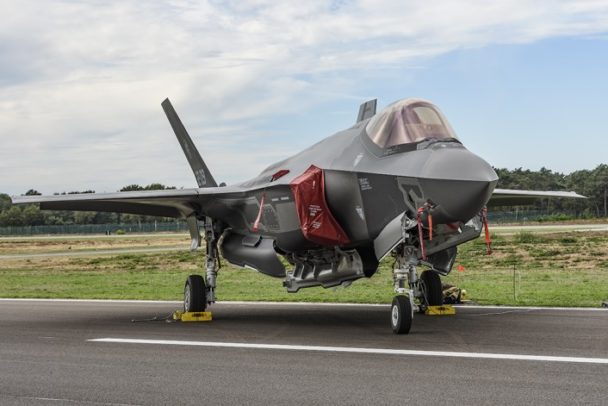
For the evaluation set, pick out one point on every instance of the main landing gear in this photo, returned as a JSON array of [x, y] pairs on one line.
[[413, 292], [198, 293]]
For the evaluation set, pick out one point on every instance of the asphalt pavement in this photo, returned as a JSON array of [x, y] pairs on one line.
[[92, 353]]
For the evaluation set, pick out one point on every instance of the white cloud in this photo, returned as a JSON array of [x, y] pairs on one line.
[[81, 81]]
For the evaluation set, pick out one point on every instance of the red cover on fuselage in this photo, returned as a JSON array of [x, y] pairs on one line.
[[316, 221]]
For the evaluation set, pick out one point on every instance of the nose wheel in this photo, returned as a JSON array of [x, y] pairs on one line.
[[402, 314]]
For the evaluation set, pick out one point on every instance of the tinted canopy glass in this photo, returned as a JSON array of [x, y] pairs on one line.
[[408, 121]]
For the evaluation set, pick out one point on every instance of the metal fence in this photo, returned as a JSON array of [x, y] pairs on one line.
[[522, 216], [176, 226]]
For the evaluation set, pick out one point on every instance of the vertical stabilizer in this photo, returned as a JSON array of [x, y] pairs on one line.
[[201, 172]]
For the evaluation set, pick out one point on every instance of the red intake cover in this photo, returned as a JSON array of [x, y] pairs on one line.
[[316, 221]]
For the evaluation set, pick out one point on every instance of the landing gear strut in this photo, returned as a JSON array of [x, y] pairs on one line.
[[211, 259], [198, 293]]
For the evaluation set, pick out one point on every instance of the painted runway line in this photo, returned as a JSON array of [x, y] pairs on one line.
[[28, 400], [356, 350]]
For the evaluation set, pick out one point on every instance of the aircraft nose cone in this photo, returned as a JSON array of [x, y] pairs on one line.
[[459, 182]]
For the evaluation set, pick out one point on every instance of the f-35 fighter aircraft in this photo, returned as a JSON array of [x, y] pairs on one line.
[[398, 182]]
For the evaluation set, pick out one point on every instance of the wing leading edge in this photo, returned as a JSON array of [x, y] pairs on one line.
[[176, 203], [510, 197]]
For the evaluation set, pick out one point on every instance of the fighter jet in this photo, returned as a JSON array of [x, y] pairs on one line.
[[398, 182]]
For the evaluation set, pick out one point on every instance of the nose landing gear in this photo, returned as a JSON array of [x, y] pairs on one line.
[[426, 290], [404, 279]]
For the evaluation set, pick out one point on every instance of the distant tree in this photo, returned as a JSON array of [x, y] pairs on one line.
[[60, 217], [11, 217], [84, 217], [5, 202], [32, 192], [158, 186], [54, 218], [594, 185], [32, 216], [107, 218], [131, 188], [152, 186]]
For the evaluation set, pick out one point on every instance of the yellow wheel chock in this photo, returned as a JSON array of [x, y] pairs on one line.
[[444, 310], [191, 316]]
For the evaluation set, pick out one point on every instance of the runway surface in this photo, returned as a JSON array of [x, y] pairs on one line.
[[253, 353]]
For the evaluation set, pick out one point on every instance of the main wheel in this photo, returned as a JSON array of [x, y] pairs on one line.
[[401, 315], [195, 294], [431, 287]]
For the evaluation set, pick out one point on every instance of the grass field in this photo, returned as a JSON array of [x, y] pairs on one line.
[[36, 245], [562, 269]]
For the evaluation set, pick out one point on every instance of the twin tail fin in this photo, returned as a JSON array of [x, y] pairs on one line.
[[201, 172]]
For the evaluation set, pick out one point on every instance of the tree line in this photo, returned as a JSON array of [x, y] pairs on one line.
[[592, 183]]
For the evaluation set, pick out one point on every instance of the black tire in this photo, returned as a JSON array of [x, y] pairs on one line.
[[401, 315], [195, 294], [431, 285]]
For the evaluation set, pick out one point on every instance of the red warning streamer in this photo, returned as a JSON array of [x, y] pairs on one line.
[[419, 213], [256, 224]]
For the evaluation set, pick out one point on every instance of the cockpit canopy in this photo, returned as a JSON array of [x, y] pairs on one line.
[[408, 121]]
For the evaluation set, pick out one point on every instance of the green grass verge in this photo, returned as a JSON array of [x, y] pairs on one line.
[[525, 269]]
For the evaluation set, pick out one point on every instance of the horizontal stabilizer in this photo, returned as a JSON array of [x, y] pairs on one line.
[[367, 110], [201, 172]]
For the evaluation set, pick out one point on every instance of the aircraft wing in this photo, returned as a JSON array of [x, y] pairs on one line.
[[510, 197], [177, 203]]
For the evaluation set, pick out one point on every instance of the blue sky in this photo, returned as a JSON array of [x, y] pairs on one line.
[[524, 105], [523, 83]]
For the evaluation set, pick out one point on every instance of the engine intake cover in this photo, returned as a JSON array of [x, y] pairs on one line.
[[316, 221]]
